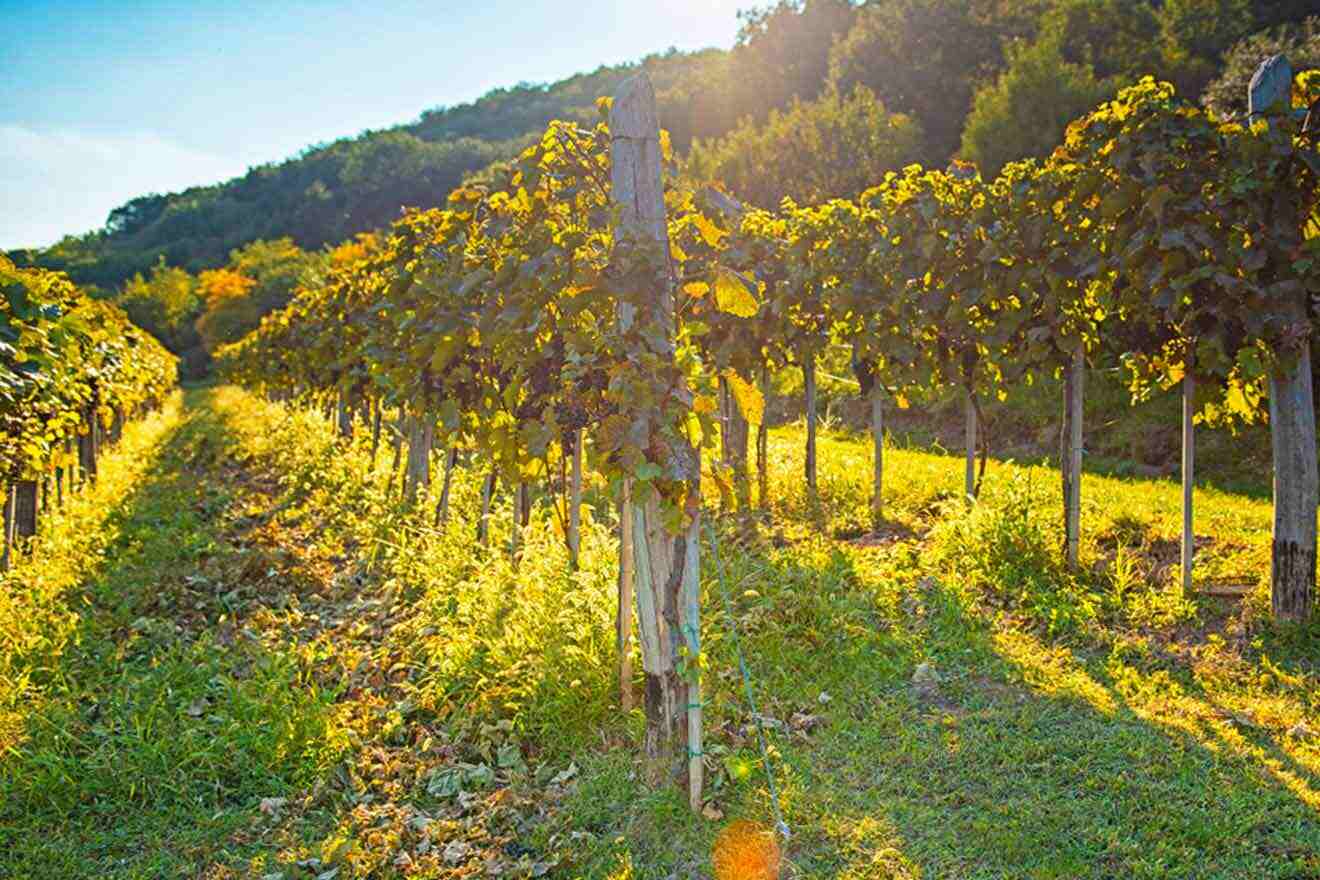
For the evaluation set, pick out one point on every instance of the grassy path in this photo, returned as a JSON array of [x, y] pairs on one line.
[[241, 656]]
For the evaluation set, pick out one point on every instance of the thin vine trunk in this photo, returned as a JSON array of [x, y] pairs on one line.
[[483, 521], [376, 407], [733, 443], [25, 508], [442, 506], [763, 445], [809, 381], [8, 559], [878, 455], [575, 501]]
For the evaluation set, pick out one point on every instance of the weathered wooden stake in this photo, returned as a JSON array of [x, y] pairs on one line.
[[1188, 473], [624, 618], [421, 431], [666, 571], [1292, 413]]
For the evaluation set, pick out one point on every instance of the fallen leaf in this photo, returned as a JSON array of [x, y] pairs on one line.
[[271, 806], [455, 852]]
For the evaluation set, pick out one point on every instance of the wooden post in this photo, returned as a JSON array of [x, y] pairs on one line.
[[666, 571], [878, 455], [575, 501], [1292, 413], [624, 618], [420, 433], [969, 439], [809, 380], [763, 445], [1188, 473], [1070, 456]]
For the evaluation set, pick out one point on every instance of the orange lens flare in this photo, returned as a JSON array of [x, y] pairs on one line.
[[746, 851]]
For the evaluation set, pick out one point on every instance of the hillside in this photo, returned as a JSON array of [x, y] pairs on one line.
[[329, 192], [937, 60]]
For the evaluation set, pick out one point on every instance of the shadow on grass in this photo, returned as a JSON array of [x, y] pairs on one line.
[[1025, 762]]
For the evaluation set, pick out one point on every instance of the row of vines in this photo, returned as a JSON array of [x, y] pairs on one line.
[[571, 293], [72, 370]]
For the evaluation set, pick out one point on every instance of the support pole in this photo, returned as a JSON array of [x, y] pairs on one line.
[[1071, 458], [666, 570], [809, 380], [878, 455], [969, 439], [575, 501], [1188, 473]]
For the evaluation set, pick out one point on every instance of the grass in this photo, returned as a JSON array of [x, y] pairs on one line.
[[241, 655]]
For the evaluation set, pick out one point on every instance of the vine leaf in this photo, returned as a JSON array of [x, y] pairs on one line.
[[748, 397], [733, 294]]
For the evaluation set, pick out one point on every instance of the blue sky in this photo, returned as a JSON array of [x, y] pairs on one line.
[[104, 100]]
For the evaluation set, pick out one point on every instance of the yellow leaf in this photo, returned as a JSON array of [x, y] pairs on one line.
[[750, 402], [733, 294], [666, 147], [696, 288], [710, 233], [901, 401], [677, 253], [704, 404]]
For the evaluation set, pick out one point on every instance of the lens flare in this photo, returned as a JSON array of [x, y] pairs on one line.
[[746, 851]]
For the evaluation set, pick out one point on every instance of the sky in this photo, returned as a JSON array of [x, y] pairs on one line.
[[105, 100]]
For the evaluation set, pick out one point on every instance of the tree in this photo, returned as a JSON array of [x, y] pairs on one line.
[[1113, 37], [925, 57], [1024, 112], [165, 305], [835, 146], [1196, 33], [784, 50]]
